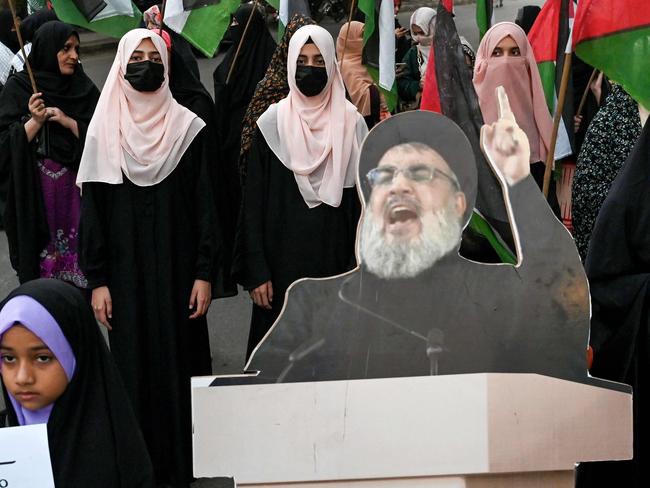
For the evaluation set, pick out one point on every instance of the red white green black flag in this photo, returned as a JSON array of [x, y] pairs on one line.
[[614, 36]]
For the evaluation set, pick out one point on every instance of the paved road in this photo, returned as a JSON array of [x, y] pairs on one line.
[[229, 318]]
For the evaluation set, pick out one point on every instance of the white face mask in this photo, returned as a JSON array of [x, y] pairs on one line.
[[423, 40]]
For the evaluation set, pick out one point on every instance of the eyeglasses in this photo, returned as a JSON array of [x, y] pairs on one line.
[[421, 173]]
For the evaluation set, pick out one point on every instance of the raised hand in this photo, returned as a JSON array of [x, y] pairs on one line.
[[505, 145]]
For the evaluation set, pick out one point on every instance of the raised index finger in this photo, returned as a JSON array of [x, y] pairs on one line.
[[504, 105]]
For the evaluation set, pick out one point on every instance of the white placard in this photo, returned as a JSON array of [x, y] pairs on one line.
[[25, 457]]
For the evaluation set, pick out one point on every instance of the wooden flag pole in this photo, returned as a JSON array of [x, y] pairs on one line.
[[241, 42], [550, 158], [347, 32], [32, 80], [586, 92]]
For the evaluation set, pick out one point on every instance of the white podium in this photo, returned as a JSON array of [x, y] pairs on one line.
[[477, 430]]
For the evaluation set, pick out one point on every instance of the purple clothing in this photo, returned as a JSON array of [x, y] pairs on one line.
[[35, 317], [62, 208]]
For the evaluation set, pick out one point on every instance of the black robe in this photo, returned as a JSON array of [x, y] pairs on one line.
[[187, 89], [618, 268], [148, 245], [532, 318], [281, 239], [92, 432]]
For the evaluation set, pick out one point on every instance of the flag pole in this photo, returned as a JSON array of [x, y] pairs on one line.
[[550, 158], [241, 42], [587, 88], [345, 43], [162, 17], [32, 80]]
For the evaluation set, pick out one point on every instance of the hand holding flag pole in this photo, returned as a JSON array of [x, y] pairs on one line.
[[241, 42], [32, 80]]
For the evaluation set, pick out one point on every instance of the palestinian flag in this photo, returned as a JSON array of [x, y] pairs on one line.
[[614, 36], [454, 95], [202, 22], [484, 16], [109, 17], [379, 46], [550, 39]]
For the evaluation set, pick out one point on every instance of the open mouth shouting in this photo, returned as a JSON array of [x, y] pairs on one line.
[[402, 217]]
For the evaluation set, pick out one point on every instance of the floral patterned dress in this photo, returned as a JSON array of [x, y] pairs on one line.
[[62, 208], [608, 142]]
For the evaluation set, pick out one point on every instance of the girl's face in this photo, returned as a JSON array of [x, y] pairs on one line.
[[146, 51], [30, 372], [506, 48]]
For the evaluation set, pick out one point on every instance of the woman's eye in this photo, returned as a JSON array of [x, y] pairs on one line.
[[496, 53], [43, 358], [515, 52], [6, 358]]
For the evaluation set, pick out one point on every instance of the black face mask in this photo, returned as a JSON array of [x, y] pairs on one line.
[[145, 76], [311, 79]]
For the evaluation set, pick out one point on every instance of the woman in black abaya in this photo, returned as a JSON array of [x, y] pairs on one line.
[[93, 435], [149, 244], [40, 200], [618, 269], [232, 96]]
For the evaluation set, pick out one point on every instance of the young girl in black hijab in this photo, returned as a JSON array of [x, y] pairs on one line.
[[71, 383], [41, 140]]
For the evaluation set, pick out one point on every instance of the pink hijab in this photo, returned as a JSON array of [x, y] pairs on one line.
[[355, 75], [318, 138], [143, 135], [520, 77]]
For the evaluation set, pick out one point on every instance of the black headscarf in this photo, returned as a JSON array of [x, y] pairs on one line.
[[31, 23], [7, 35], [76, 95], [254, 56], [93, 434], [526, 17]]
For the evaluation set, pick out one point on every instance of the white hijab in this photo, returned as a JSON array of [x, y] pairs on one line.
[[424, 18], [141, 134], [318, 138]]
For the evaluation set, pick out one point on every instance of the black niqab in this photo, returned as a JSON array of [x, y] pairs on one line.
[[93, 435], [8, 36], [31, 23], [253, 58]]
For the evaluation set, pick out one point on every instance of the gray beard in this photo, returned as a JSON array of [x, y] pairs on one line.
[[441, 233]]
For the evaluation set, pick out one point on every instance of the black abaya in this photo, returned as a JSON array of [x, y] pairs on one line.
[[281, 239], [93, 435], [187, 89], [148, 245], [618, 268]]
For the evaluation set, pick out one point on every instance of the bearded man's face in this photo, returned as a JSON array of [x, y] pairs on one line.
[[414, 214]]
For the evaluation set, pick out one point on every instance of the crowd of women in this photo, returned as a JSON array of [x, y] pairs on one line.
[[147, 200]]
